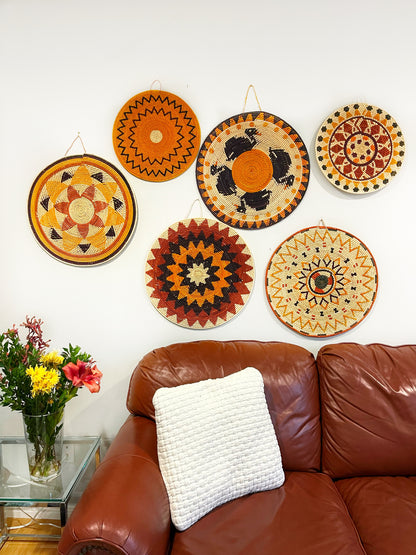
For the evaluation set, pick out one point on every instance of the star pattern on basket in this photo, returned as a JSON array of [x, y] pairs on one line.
[[252, 170], [321, 281], [360, 148], [156, 136], [199, 273], [82, 210]]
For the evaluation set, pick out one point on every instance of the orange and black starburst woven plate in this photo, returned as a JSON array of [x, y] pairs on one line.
[[321, 281], [199, 273], [252, 170], [156, 136], [359, 148], [82, 210]]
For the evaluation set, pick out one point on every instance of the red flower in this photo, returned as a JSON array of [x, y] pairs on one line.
[[82, 373]]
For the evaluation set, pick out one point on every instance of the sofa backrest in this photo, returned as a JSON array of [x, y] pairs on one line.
[[290, 379], [368, 409]]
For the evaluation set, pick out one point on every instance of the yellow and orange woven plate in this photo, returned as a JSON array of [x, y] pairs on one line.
[[359, 148], [199, 273], [252, 170], [82, 210], [321, 281], [156, 136]]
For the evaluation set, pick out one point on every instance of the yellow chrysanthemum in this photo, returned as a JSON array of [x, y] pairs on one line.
[[52, 358], [43, 380]]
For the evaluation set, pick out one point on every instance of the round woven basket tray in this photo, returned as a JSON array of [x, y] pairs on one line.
[[252, 170], [359, 148], [82, 210], [156, 135], [199, 273], [321, 281]]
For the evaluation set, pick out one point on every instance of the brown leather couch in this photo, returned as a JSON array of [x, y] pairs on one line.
[[346, 424]]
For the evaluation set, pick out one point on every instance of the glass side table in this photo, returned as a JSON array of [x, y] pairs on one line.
[[16, 489]]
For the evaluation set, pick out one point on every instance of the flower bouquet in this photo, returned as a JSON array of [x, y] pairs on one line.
[[39, 383]]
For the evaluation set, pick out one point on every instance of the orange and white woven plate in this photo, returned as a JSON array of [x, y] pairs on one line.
[[82, 210], [199, 273], [359, 148], [156, 135], [252, 170], [321, 281]]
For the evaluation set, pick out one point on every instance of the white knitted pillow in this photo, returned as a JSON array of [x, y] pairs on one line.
[[215, 442]]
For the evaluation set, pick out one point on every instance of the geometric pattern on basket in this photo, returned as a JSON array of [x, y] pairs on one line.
[[82, 210], [199, 273], [359, 148], [252, 170], [321, 281], [156, 136]]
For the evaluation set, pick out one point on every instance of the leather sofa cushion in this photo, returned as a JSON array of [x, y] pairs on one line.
[[368, 400], [306, 515], [384, 511], [290, 384]]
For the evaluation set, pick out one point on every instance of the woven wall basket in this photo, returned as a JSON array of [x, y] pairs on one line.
[[252, 170], [199, 273], [82, 210], [321, 281], [156, 135], [359, 148]]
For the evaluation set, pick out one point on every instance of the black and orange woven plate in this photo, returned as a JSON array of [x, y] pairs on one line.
[[82, 210], [359, 148], [199, 273], [156, 136], [321, 281], [252, 170]]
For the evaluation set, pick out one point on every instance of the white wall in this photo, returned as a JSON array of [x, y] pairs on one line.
[[68, 67]]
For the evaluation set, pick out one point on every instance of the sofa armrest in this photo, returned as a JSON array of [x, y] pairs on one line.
[[123, 511]]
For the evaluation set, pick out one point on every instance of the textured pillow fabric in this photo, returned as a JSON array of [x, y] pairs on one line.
[[216, 442]]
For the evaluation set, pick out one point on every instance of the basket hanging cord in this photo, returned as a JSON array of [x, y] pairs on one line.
[[77, 138], [197, 200], [321, 223], [156, 81], [255, 94]]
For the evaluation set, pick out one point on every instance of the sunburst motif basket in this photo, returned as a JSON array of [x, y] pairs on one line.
[[199, 273], [252, 170], [321, 281], [359, 148], [156, 135], [82, 210]]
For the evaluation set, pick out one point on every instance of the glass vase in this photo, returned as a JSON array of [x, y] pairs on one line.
[[44, 439]]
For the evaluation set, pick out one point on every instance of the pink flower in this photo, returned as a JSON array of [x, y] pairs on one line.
[[82, 373]]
